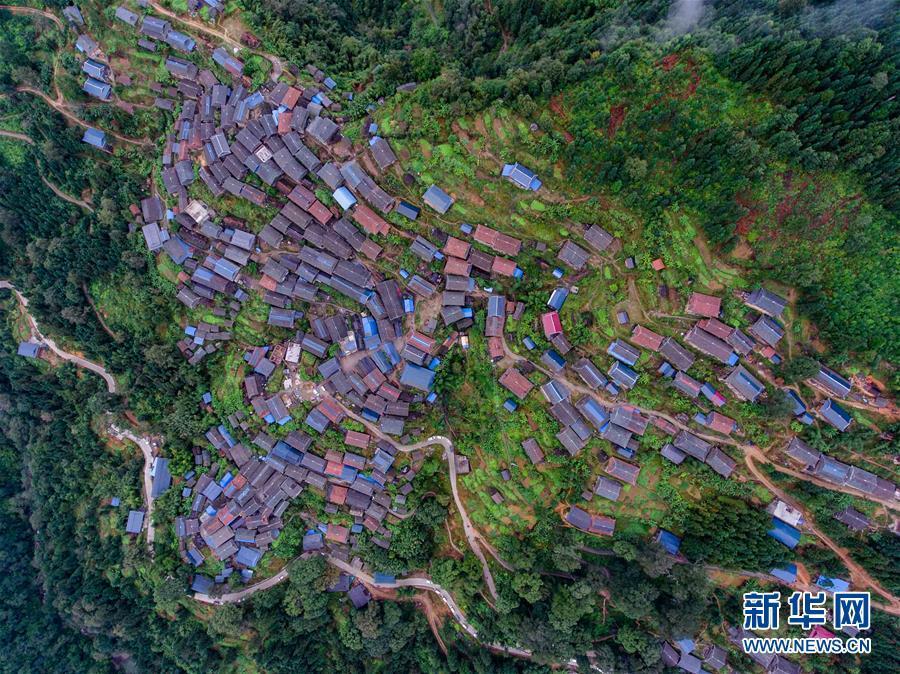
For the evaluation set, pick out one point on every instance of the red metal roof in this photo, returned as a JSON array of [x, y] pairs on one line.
[[716, 327], [337, 533], [284, 122], [291, 96], [337, 494], [720, 423], [420, 341], [320, 212], [704, 305], [646, 338], [457, 267], [551, 324], [357, 439], [457, 247], [503, 266], [495, 348], [515, 382], [369, 220], [502, 243]]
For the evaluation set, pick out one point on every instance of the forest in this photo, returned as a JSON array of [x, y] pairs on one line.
[[799, 101]]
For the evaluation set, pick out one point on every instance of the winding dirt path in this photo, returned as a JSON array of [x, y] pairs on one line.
[[49, 343], [17, 136], [858, 575], [67, 197], [15, 9], [277, 65], [56, 190], [473, 536], [147, 450], [72, 117]]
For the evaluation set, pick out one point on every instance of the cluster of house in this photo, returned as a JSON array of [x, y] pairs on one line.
[[160, 481], [835, 385], [236, 516], [96, 70], [367, 359], [283, 136], [839, 473], [787, 520], [778, 664], [688, 657], [154, 30]]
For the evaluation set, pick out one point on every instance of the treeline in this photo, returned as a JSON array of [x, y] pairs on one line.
[[81, 595], [54, 252]]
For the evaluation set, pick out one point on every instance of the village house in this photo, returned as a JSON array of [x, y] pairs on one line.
[[592, 524], [704, 305], [766, 302], [521, 176]]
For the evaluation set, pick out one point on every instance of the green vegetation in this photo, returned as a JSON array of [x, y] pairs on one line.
[[759, 148]]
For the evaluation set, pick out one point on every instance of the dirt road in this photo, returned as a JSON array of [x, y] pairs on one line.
[[17, 136], [240, 596], [14, 9], [56, 190], [858, 575], [472, 534], [72, 117], [277, 65], [67, 197], [50, 344], [416, 582], [147, 450]]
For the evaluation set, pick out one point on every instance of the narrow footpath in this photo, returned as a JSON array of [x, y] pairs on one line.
[[39, 337]]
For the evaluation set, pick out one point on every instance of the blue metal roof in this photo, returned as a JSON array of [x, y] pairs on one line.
[[835, 415], [96, 88], [558, 298], [669, 541], [623, 375], [344, 198], [521, 176], [29, 349], [799, 406], [833, 584], [593, 412], [94, 137], [407, 210], [417, 377], [784, 533], [438, 199], [553, 355], [788, 574], [623, 352]]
